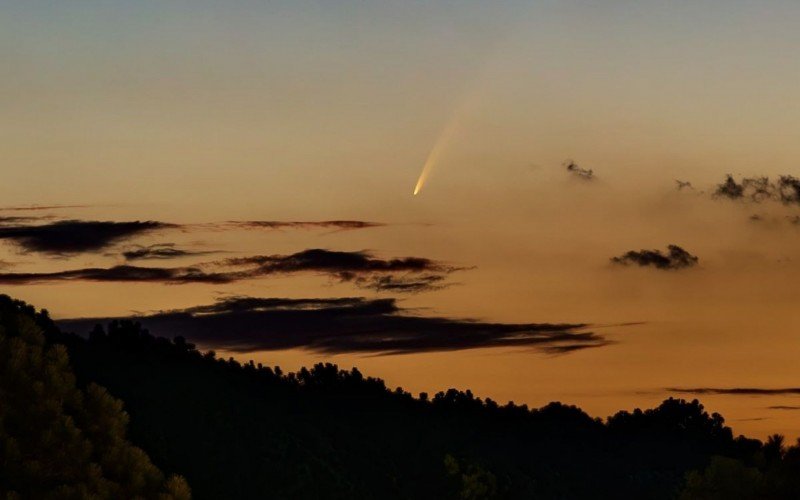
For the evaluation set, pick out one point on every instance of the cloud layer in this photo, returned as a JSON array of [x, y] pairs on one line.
[[67, 237], [675, 258], [409, 274], [346, 325]]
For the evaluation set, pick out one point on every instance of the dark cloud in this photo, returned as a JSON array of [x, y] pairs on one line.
[[785, 190], [730, 189], [409, 274], [735, 391], [74, 236], [583, 173], [756, 188], [675, 258], [160, 251], [789, 189], [780, 407], [346, 325], [681, 185], [338, 225]]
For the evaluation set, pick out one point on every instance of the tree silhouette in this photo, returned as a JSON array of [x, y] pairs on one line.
[[774, 448], [57, 441]]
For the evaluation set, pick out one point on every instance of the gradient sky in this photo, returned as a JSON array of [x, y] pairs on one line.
[[204, 112]]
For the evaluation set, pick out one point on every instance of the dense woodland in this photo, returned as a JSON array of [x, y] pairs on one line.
[[118, 413]]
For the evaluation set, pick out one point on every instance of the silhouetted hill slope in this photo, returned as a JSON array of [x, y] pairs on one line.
[[246, 431], [56, 440]]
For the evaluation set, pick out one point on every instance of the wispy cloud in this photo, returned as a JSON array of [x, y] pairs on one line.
[[337, 225], [735, 391], [21, 219], [409, 283], [407, 274], [39, 207], [166, 275], [161, 251]]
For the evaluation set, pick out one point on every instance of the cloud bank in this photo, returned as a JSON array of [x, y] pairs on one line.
[[346, 325]]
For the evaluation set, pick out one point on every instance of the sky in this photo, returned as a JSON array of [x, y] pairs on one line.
[[248, 131]]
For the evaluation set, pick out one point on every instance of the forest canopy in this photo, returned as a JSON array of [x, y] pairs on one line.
[[243, 430]]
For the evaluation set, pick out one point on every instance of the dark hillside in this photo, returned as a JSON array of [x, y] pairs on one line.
[[245, 431]]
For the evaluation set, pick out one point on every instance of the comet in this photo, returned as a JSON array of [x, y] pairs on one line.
[[463, 111], [441, 144]]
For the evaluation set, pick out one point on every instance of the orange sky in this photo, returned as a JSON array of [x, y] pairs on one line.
[[197, 114]]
